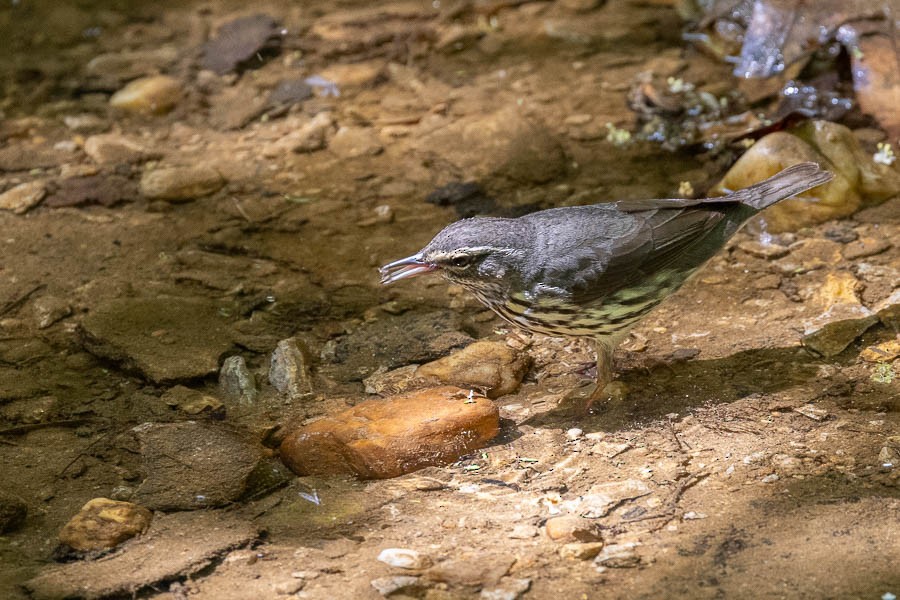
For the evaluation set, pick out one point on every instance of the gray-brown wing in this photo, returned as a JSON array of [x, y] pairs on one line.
[[667, 242]]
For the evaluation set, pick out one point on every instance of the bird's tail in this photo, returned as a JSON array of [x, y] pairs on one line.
[[789, 182]]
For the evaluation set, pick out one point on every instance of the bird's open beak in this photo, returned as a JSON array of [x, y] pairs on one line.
[[405, 268]]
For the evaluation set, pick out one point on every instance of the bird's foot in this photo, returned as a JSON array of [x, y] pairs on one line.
[[584, 400]]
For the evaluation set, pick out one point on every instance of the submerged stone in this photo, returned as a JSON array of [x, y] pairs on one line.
[[103, 523], [166, 339], [191, 465], [387, 438], [237, 382]]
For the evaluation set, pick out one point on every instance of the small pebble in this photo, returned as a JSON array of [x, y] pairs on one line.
[[574, 433], [403, 558]]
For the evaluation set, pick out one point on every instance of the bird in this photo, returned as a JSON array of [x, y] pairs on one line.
[[593, 271]]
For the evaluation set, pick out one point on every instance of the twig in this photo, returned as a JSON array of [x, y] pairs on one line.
[[20, 300]]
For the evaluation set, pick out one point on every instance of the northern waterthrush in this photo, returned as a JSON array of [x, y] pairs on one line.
[[593, 271]]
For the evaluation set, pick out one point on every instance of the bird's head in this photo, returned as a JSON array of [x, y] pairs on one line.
[[474, 253]]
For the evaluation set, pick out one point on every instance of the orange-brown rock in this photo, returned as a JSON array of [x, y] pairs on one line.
[[386, 438]]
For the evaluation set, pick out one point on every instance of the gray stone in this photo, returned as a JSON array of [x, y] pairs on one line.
[[166, 339], [237, 382], [23, 197], [289, 369], [180, 184], [190, 465]]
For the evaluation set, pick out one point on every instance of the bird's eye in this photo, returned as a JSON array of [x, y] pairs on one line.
[[461, 261]]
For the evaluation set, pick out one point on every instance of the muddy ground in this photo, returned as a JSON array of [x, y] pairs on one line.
[[757, 468]]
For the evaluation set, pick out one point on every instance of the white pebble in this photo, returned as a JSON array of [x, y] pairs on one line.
[[574, 433], [402, 558]]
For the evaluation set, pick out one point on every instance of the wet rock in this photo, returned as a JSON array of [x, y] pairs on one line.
[[403, 558], [397, 381], [49, 310], [86, 123], [190, 465], [290, 368], [154, 95], [166, 339], [509, 589], [874, 182], [355, 75], [23, 197], [112, 149], [572, 528], [603, 497], [883, 352], [386, 438], [115, 67], [181, 184], [491, 366], [844, 318], [193, 402], [857, 177], [775, 152], [105, 190], [239, 42], [504, 144], [619, 556], [21, 158], [237, 382], [103, 523], [352, 142], [396, 341], [472, 570], [580, 550], [175, 547], [398, 583], [13, 511], [864, 247]]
